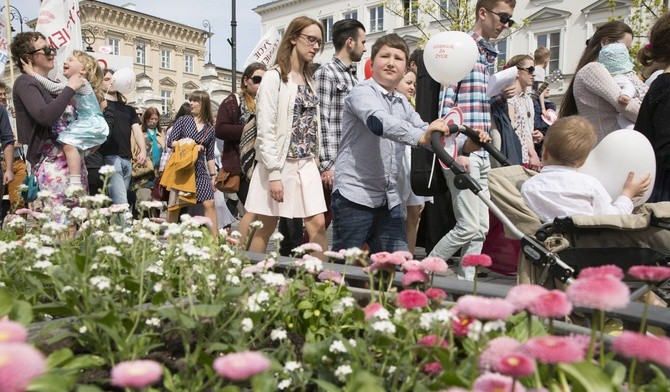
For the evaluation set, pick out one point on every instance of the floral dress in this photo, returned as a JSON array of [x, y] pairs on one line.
[[523, 120], [304, 140]]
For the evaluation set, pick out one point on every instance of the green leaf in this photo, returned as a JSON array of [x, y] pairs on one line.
[[56, 309], [616, 371], [305, 305], [6, 302], [307, 314], [263, 382], [22, 312], [207, 310], [326, 386], [587, 377], [84, 362], [88, 388], [51, 382], [59, 357]]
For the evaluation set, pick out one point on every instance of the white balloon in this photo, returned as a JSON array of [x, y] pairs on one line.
[[123, 80], [617, 154], [449, 56]]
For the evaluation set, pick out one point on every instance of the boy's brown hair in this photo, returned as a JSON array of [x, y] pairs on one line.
[[393, 41], [489, 4], [542, 55], [569, 141]]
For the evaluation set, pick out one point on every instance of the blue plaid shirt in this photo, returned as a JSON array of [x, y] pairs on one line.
[[471, 96]]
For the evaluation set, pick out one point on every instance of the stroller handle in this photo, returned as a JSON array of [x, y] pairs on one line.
[[474, 136]]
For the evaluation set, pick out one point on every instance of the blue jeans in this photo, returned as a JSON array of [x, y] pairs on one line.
[[354, 225], [119, 182], [472, 218]]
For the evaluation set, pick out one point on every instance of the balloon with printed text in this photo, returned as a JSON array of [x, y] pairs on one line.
[[449, 56], [123, 80]]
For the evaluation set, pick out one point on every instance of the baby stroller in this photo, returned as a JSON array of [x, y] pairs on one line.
[[552, 254]]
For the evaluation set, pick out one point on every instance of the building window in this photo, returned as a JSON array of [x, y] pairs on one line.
[[377, 18], [501, 60], [141, 54], [281, 32], [447, 7], [350, 15], [410, 12], [189, 63], [328, 28], [166, 101], [166, 59], [551, 41], [115, 45]]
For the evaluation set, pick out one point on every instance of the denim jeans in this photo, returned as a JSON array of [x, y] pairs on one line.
[[472, 218], [119, 182], [354, 225]]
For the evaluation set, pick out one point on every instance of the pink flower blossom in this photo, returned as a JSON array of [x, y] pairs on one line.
[[12, 332], [232, 240], [412, 277], [521, 296], [432, 341], [650, 273], [553, 304], [515, 365], [554, 349], [493, 382], [461, 325], [240, 366], [387, 258], [250, 270], [372, 309], [266, 264], [432, 368], [23, 211], [202, 221], [608, 269], [476, 261], [311, 247], [136, 374], [410, 299], [332, 276], [334, 255], [157, 219], [434, 265], [483, 308], [437, 295], [412, 265], [20, 363], [404, 254], [643, 348], [602, 292], [496, 349]]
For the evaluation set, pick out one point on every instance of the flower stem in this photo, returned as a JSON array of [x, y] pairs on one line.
[[592, 342], [474, 286], [643, 322], [529, 321], [602, 340], [631, 375], [564, 381]]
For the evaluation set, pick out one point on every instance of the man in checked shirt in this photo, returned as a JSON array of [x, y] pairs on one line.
[[334, 80]]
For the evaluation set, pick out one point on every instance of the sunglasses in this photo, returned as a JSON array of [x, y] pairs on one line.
[[312, 40], [530, 70], [256, 79], [504, 18], [48, 51]]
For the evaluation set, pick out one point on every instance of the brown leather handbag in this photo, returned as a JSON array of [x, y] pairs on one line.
[[227, 182]]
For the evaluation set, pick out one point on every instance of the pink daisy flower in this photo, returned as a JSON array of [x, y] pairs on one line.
[[202, 221], [601, 270], [461, 324], [483, 308], [554, 349], [412, 265], [432, 368], [523, 295], [23, 211], [266, 264], [650, 273], [434, 265], [332, 276], [432, 341], [12, 332], [232, 240], [493, 382], [20, 363], [553, 304], [643, 348], [372, 309], [515, 365], [136, 374], [311, 247], [157, 219], [496, 349], [240, 366], [250, 270], [334, 255], [410, 299], [437, 295], [404, 254], [476, 261], [386, 258], [602, 292], [412, 277]]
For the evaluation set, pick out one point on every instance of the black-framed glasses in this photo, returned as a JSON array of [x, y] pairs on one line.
[[504, 18], [530, 70], [312, 40], [256, 79], [48, 51]]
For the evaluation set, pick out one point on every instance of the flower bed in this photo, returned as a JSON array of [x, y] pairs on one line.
[[137, 303]]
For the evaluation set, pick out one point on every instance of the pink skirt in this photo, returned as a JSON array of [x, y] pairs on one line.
[[303, 192]]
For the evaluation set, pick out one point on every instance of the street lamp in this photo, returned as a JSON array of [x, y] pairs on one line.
[[208, 26], [89, 38], [14, 13]]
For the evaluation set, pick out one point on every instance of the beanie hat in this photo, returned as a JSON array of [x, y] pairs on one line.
[[615, 58]]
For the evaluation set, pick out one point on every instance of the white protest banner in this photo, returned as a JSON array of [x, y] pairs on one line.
[[266, 49], [4, 55], [59, 22]]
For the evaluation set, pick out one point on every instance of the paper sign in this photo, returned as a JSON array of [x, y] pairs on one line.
[[59, 22], [500, 80]]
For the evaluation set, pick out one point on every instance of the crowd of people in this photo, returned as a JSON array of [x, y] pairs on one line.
[[333, 149]]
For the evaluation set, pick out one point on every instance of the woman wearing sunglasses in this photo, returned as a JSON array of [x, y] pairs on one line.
[[286, 181], [233, 114], [39, 115]]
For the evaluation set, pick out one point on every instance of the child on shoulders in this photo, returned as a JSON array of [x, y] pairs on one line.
[[559, 190]]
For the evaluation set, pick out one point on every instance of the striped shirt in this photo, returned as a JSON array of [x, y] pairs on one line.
[[333, 80], [470, 96]]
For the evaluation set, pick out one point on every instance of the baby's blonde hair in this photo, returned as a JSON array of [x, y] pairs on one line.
[[93, 72], [569, 141]]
